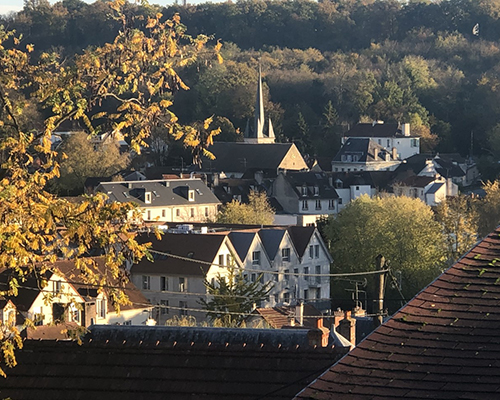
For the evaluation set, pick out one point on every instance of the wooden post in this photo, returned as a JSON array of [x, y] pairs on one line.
[[380, 302]]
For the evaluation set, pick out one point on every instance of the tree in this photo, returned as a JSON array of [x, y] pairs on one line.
[[85, 159], [258, 211], [402, 229], [458, 217], [233, 297], [138, 72], [489, 208]]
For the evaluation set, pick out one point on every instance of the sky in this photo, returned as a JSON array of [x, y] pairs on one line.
[[7, 6]]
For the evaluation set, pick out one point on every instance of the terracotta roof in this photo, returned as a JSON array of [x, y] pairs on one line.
[[277, 317], [444, 344], [131, 369]]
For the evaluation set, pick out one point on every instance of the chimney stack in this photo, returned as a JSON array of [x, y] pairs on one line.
[[299, 312], [318, 336], [394, 153], [405, 129], [347, 328]]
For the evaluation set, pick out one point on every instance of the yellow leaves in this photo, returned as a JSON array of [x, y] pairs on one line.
[[176, 18], [152, 22], [165, 103]]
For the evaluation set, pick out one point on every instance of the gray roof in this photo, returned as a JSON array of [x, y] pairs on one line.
[[271, 239], [171, 192], [240, 157], [310, 180], [241, 242], [197, 247], [435, 187], [375, 130], [188, 335], [366, 150]]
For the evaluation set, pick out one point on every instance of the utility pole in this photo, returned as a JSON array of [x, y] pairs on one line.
[[380, 262]]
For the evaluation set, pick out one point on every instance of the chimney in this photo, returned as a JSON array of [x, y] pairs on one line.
[[387, 156], [394, 153], [347, 328], [318, 336], [299, 313], [405, 129], [259, 177], [338, 316]]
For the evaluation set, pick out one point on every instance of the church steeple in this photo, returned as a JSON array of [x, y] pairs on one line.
[[259, 134]]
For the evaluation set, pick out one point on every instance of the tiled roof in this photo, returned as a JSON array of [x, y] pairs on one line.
[[131, 369], [416, 181], [444, 344], [310, 180], [277, 317]]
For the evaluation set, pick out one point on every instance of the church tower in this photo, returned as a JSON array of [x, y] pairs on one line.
[[259, 134]]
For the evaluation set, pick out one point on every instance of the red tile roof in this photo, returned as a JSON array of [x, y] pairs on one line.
[[444, 344]]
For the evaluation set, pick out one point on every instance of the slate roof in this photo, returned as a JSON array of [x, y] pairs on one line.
[[301, 236], [435, 187], [366, 150], [241, 242], [113, 366], [271, 239], [444, 344], [374, 130], [198, 247], [310, 180], [239, 157], [168, 192], [416, 181]]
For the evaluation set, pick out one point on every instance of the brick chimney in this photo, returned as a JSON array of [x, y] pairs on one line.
[[318, 336], [347, 328]]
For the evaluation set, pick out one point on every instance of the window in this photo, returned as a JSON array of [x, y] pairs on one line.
[[256, 258], [306, 294], [304, 205], [296, 272], [316, 190], [57, 287], [191, 195], [163, 283], [182, 284], [331, 204], [316, 251], [388, 143], [318, 204], [285, 254], [101, 308], [254, 277], [286, 297], [311, 251], [149, 215], [318, 271], [164, 307], [357, 187], [146, 282], [177, 212], [192, 212], [148, 198], [163, 213], [318, 293], [340, 200], [206, 211], [229, 259], [221, 259], [306, 273], [304, 190], [182, 308], [286, 276]]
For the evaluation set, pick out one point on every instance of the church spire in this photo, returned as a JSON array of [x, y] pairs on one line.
[[259, 109]]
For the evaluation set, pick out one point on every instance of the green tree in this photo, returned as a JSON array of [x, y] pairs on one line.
[[85, 159], [402, 229], [489, 208], [458, 217], [258, 211], [233, 297]]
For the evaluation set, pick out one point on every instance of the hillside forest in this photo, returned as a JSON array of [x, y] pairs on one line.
[[326, 65]]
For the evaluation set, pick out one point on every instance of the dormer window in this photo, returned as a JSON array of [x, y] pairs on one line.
[[147, 197], [304, 190], [316, 190], [191, 195]]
